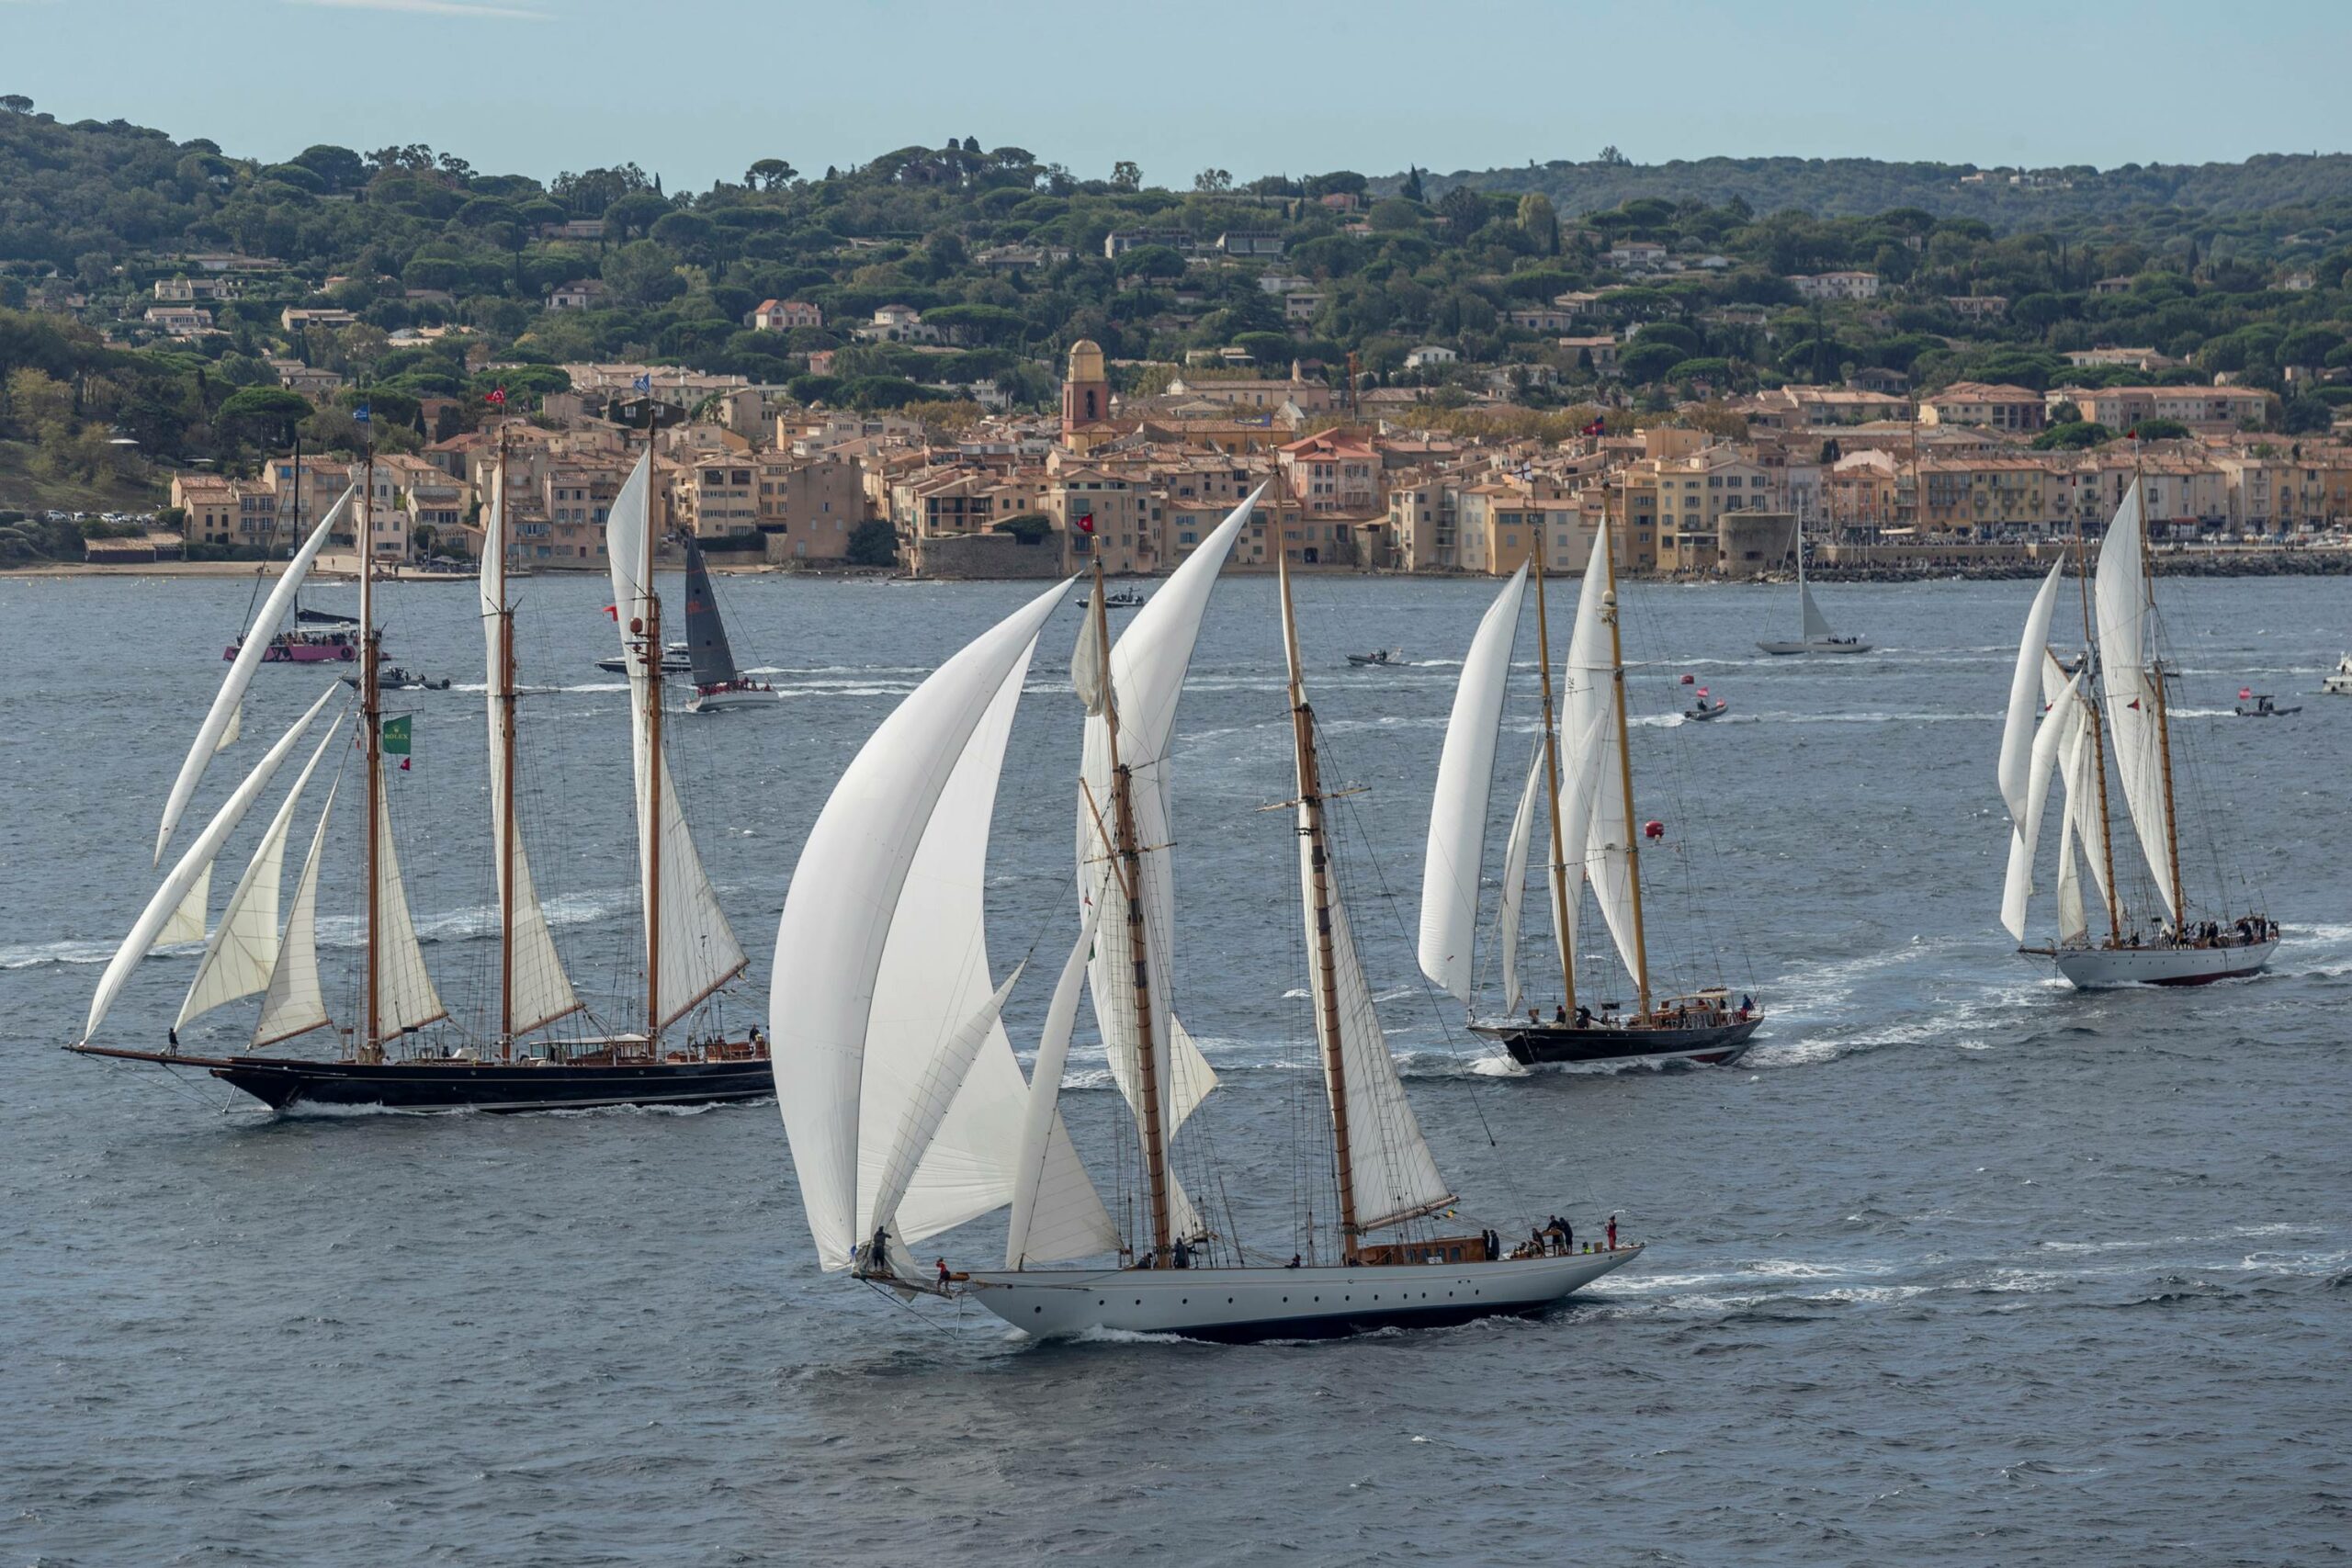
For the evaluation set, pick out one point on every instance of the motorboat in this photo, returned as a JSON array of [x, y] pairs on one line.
[[1702, 710], [2261, 704], [399, 680], [2338, 683], [1382, 657]]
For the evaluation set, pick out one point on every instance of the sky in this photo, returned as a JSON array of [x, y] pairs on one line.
[[697, 89]]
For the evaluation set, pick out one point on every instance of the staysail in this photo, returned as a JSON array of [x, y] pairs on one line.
[[1514, 895], [243, 950], [2026, 694], [223, 717], [295, 1004], [707, 651], [1072, 1206], [2026, 833], [697, 948], [405, 998], [848, 1052], [540, 991], [2120, 590], [1146, 677], [199, 858], [1457, 836]]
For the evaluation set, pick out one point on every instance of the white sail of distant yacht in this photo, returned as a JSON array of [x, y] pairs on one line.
[[534, 990], [237, 962], [2128, 704], [222, 720], [1816, 634], [195, 862], [690, 950], [882, 981]]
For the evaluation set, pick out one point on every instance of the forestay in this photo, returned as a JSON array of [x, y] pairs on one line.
[[1455, 852]]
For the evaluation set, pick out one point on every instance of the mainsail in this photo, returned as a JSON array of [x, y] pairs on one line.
[[222, 720], [539, 992], [713, 661], [192, 864], [866, 1015], [243, 950], [697, 950], [2119, 589], [1465, 769]]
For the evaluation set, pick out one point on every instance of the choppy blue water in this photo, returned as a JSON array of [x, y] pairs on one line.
[[1959, 1266]]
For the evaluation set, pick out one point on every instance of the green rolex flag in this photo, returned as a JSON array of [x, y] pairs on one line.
[[395, 737]]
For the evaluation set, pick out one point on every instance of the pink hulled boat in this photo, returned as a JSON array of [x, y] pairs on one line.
[[307, 646]]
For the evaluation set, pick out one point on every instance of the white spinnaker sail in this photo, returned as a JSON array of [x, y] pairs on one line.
[[1147, 666], [1514, 896], [295, 1004], [187, 920], [541, 992], [933, 980], [1596, 778], [199, 858], [698, 950], [2026, 702], [1456, 850], [243, 950], [2120, 590], [405, 998], [838, 917], [1071, 1221], [2025, 834], [211, 735]]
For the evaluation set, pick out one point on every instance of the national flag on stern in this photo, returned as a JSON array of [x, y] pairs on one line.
[[396, 740]]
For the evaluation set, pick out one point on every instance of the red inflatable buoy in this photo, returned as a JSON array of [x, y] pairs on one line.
[[1653, 829], [1688, 679]]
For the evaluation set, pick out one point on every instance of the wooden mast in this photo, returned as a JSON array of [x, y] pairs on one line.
[[1557, 872], [651, 653], [2098, 742], [1319, 901], [371, 722], [1130, 855], [1607, 545], [505, 614], [2164, 727]]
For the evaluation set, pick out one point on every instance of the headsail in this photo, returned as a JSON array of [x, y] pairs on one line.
[[541, 991], [188, 920], [2120, 593], [1457, 836], [2026, 834], [2025, 693], [223, 716], [405, 998], [1514, 896], [698, 950], [182, 876], [1056, 1212], [243, 950], [295, 1004], [847, 1050]]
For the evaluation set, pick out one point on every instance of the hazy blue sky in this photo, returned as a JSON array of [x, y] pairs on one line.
[[696, 89]]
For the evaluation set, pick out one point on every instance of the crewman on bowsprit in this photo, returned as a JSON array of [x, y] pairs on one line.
[[1612, 1233]]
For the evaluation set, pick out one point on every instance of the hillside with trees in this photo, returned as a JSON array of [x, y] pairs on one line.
[[446, 271]]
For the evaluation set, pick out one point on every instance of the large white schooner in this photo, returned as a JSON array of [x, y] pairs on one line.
[[907, 1114], [1583, 773], [2164, 944], [385, 1059]]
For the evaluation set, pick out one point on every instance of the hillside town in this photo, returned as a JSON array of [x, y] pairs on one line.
[[1877, 478]]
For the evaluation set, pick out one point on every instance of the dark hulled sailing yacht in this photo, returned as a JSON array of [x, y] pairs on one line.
[[392, 1055], [1583, 778], [710, 657]]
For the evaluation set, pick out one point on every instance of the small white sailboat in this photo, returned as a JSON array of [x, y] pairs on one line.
[[907, 1111], [2113, 693], [1817, 634]]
